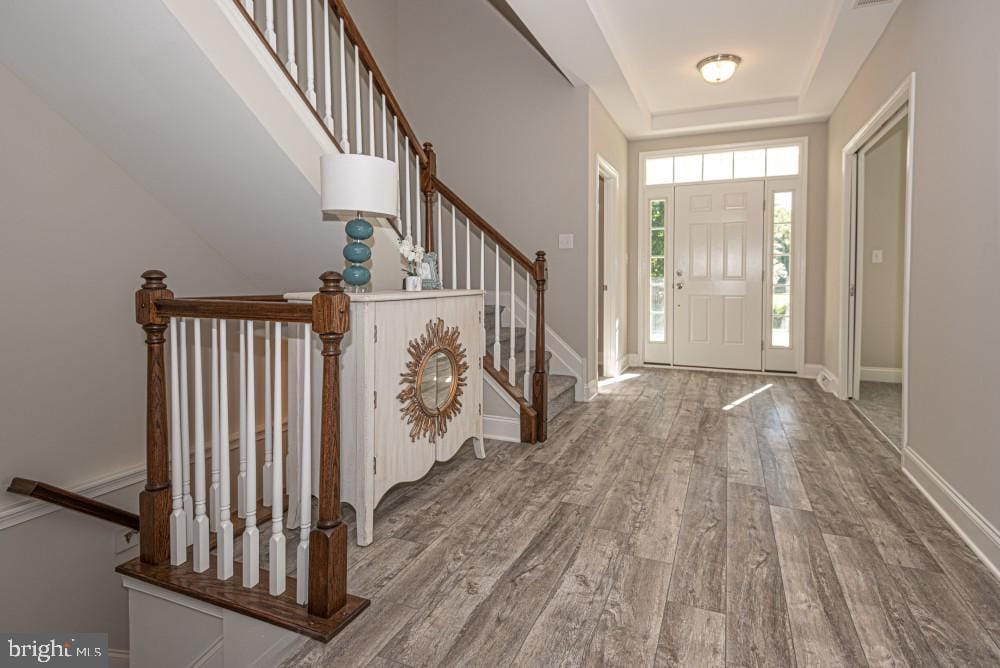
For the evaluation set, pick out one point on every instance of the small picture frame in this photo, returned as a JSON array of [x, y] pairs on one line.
[[430, 278]]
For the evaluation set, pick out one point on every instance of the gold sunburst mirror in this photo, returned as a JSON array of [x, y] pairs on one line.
[[433, 381]]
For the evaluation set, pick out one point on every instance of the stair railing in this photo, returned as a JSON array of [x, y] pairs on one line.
[[337, 77], [178, 510]]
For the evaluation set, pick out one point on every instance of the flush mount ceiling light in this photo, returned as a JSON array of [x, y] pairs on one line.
[[719, 68]]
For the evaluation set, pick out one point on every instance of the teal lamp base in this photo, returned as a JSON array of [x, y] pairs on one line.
[[356, 253]]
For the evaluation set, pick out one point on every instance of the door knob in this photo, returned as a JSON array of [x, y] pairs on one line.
[[679, 286]]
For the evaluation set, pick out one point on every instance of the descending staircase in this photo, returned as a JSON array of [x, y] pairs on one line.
[[562, 388]]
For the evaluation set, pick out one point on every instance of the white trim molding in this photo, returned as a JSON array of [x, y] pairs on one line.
[[879, 374], [828, 381], [501, 428], [980, 535]]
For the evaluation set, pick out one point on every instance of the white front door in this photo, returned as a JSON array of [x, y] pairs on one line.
[[718, 275]]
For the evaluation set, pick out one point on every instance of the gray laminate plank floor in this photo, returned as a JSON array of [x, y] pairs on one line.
[[682, 518]]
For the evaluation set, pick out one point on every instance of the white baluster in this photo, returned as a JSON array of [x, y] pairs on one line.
[[290, 64], [497, 364], [241, 480], [406, 167], [327, 73], [440, 245], [224, 531], [416, 159], [276, 547], [527, 336], [269, 34], [200, 548], [178, 521], [512, 359], [213, 490], [305, 472], [468, 258], [248, 5], [454, 257], [371, 114], [482, 280], [310, 56], [251, 535], [268, 435], [359, 146], [186, 434], [345, 139], [385, 146], [395, 132]]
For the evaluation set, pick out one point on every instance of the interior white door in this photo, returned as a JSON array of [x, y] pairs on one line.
[[718, 275]]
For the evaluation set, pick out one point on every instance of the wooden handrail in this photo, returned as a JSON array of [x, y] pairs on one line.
[[72, 501], [351, 30], [481, 223], [235, 308]]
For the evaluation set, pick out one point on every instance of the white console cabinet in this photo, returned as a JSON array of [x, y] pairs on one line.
[[378, 449]]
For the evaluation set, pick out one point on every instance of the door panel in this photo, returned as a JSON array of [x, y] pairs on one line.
[[718, 277]]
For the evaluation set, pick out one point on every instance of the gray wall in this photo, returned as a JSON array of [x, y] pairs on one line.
[[954, 310], [510, 132], [816, 217], [882, 283]]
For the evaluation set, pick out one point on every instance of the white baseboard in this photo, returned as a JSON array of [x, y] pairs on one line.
[[828, 381], [880, 374], [501, 428], [975, 530], [634, 359], [811, 370]]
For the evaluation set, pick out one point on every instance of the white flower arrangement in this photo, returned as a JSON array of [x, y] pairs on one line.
[[413, 255]]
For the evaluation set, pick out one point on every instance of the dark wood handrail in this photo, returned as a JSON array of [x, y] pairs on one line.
[[481, 223], [351, 31], [72, 501], [235, 309]]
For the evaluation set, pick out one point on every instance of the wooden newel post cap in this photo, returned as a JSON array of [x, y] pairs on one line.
[[153, 280], [332, 283], [153, 288]]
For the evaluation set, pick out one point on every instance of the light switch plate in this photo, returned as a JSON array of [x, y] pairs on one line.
[[876, 257], [565, 241]]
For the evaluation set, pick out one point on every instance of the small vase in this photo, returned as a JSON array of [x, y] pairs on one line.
[[412, 284]]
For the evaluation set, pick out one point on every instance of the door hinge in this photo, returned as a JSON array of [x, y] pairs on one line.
[[376, 333], [376, 399], [480, 317], [480, 362], [853, 290], [480, 409], [375, 465]]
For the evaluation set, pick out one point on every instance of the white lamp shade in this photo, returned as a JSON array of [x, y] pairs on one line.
[[352, 184]]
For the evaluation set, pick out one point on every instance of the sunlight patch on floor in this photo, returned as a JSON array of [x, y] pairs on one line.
[[747, 397]]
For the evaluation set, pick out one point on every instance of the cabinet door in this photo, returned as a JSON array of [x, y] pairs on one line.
[[398, 457], [464, 313]]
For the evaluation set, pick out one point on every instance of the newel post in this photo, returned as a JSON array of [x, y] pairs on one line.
[[540, 379], [328, 541], [428, 174], [154, 500]]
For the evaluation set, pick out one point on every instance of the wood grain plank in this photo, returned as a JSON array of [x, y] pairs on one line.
[[822, 627], [887, 629], [628, 631], [699, 568], [757, 627], [691, 637], [832, 507], [742, 452], [945, 619], [658, 525], [495, 630], [561, 634]]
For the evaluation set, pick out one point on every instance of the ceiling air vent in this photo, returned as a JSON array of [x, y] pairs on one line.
[[860, 4]]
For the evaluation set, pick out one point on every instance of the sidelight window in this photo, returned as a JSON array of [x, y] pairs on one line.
[[657, 271]]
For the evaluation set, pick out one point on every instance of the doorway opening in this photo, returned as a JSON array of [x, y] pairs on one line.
[[721, 267], [875, 334], [611, 298], [876, 373]]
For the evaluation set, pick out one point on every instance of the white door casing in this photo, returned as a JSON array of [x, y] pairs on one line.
[[615, 294], [718, 275]]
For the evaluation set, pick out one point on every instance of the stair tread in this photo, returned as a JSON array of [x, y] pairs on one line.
[[559, 384]]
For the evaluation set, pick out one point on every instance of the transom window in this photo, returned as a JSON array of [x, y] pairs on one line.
[[751, 163]]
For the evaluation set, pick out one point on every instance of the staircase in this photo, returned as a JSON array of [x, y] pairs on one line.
[[562, 388]]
